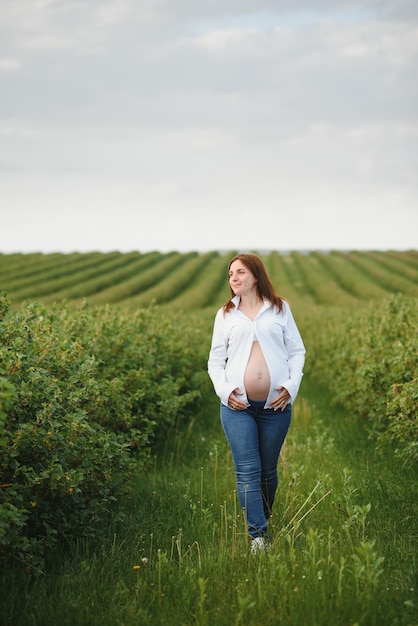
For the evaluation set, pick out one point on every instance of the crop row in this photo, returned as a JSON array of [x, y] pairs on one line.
[[193, 280], [84, 394]]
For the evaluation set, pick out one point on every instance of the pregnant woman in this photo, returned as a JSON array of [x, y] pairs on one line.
[[256, 366]]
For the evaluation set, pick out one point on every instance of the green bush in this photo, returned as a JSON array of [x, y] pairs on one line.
[[368, 358], [84, 394], [402, 427]]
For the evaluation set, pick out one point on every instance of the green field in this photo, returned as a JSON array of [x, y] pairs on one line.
[[117, 490], [193, 280]]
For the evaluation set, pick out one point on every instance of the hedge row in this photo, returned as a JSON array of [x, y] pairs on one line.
[[369, 360], [84, 393]]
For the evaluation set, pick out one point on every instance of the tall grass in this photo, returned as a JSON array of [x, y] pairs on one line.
[[342, 551]]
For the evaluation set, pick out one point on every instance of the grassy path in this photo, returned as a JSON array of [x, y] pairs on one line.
[[342, 552]]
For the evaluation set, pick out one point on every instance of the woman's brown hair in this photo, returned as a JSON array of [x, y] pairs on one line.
[[264, 286]]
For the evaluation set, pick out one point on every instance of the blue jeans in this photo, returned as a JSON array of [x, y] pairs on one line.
[[256, 436]]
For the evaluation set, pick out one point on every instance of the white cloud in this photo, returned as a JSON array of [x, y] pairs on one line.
[[9, 65], [394, 45], [80, 26], [223, 114]]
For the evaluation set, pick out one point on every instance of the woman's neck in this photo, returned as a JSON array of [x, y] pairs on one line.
[[250, 305], [252, 301]]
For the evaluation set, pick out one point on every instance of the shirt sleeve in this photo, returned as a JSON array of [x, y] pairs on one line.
[[217, 360], [295, 355]]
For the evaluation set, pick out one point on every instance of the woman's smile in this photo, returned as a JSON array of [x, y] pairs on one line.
[[241, 279]]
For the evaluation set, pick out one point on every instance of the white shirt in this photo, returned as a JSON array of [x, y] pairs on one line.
[[280, 341]]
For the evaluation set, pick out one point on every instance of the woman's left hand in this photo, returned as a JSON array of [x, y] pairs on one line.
[[281, 401]]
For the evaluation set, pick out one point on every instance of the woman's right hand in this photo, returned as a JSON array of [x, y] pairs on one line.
[[234, 402]]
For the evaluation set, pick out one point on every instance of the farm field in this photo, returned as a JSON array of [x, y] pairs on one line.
[[194, 281], [117, 493]]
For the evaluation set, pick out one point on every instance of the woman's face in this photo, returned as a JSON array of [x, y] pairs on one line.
[[241, 280]]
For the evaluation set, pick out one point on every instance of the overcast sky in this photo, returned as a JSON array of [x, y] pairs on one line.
[[208, 124]]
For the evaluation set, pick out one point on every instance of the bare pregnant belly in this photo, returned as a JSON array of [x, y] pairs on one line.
[[257, 377]]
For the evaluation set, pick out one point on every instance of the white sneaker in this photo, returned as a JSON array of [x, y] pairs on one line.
[[257, 545]]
